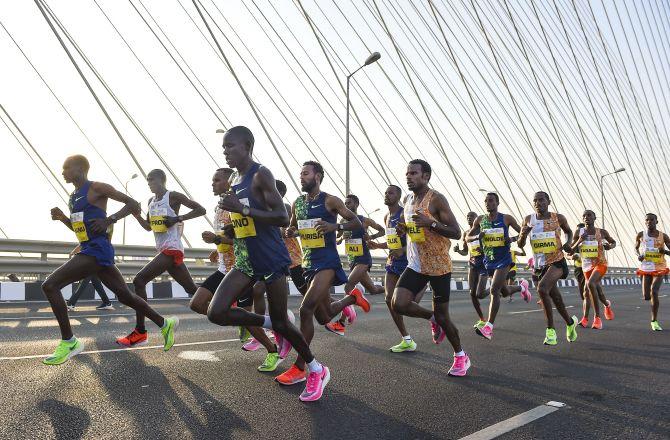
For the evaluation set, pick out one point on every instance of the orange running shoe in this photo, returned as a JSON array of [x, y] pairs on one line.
[[597, 323], [292, 376], [584, 322], [609, 313], [336, 327], [361, 300], [134, 339]]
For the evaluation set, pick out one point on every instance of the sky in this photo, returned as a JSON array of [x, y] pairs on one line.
[[497, 95]]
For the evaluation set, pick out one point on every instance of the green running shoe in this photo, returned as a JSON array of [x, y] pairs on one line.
[[403, 346], [479, 324], [571, 330], [655, 326], [243, 334], [168, 332], [271, 362], [550, 338], [64, 351]]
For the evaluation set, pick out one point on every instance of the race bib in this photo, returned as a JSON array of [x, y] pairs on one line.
[[415, 233], [475, 248], [543, 242], [244, 226], [653, 255], [354, 247], [78, 226], [589, 249], [157, 219], [494, 237], [392, 239], [222, 247], [309, 237]]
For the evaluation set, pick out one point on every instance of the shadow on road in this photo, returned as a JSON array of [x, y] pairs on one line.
[[69, 422]]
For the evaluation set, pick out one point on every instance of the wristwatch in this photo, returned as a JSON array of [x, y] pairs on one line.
[[246, 211], [113, 218], [433, 225]]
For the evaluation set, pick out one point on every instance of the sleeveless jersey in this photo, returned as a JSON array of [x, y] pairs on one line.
[[545, 240], [654, 259], [591, 251], [166, 238], [356, 246], [97, 245], [494, 244], [427, 251], [394, 241], [225, 251]]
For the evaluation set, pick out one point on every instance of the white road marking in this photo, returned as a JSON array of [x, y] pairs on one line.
[[113, 350], [515, 422], [538, 310], [49, 318], [195, 355]]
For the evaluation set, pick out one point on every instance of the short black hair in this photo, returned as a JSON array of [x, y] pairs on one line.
[[544, 193], [651, 213], [391, 185], [158, 172], [244, 133], [425, 166], [226, 171], [354, 198], [494, 195], [318, 169], [589, 210], [281, 187], [80, 160]]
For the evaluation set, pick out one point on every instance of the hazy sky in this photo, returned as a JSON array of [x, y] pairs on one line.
[[562, 93]]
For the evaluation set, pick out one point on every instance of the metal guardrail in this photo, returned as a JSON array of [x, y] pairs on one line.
[[39, 258]]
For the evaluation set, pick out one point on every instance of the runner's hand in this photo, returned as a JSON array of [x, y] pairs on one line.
[[607, 246], [640, 257], [58, 214], [400, 229], [422, 220], [290, 232], [323, 227], [229, 202], [170, 221], [208, 237], [525, 230]]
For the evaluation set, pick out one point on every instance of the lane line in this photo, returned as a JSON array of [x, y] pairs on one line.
[[114, 350], [45, 318], [515, 422], [538, 310]]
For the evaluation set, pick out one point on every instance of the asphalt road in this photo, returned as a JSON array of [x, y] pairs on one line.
[[615, 382]]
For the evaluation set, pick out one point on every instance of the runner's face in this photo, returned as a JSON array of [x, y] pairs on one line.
[[651, 221], [391, 196], [589, 218], [541, 203], [235, 149], [351, 204], [155, 183], [415, 178], [471, 218], [307, 178], [220, 183], [71, 171], [491, 203]]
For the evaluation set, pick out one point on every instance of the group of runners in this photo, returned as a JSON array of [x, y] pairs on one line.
[[260, 241]]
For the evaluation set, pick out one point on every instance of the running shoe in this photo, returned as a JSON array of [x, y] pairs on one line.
[[349, 312], [134, 339], [243, 334], [609, 313], [292, 376], [64, 351], [584, 322], [550, 338], [167, 331], [105, 306], [361, 300], [525, 291], [571, 330], [403, 346], [437, 331], [486, 332], [479, 324], [655, 326], [251, 345], [597, 323], [336, 327], [316, 382], [460, 366], [283, 344], [271, 362]]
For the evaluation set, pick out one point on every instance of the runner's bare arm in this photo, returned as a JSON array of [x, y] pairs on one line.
[[336, 206], [611, 242], [58, 214], [666, 242], [369, 223], [525, 230], [464, 241], [447, 225], [475, 230], [374, 244], [176, 200], [106, 191], [143, 220], [511, 222], [520, 252], [563, 222]]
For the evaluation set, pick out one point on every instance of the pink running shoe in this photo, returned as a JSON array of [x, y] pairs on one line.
[[437, 331], [316, 382], [460, 366], [485, 331], [525, 290], [350, 313], [283, 345], [251, 345]]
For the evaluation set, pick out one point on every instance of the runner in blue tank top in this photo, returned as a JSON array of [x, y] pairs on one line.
[[257, 212], [314, 220], [88, 220], [492, 231]]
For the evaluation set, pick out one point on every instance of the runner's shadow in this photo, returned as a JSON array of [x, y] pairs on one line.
[[69, 422]]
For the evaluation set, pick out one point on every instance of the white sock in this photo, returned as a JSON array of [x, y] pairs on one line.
[[407, 338], [267, 323], [72, 339], [460, 353], [315, 366]]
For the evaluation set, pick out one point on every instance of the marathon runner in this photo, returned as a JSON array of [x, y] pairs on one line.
[[653, 267]]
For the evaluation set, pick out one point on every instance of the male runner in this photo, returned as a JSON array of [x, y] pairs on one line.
[[257, 213], [544, 229], [429, 223], [477, 274], [653, 268], [591, 250], [396, 263], [492, 231], [314, 217], [511, 275], [88, 220], [167, 225]]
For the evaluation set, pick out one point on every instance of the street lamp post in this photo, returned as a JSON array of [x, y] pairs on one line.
[[125, 187], [602, 193], [374, 56]]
